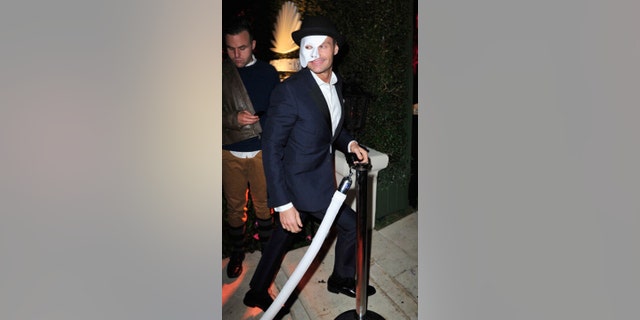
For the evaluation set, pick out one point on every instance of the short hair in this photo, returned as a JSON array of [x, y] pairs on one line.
[[237, 25]]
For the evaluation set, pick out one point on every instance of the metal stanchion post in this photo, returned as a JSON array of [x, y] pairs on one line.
[[363, 255]]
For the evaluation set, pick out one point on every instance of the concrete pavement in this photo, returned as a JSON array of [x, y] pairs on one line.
[[393, 272]]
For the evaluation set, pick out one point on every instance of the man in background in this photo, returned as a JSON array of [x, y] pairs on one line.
[[247, 85]]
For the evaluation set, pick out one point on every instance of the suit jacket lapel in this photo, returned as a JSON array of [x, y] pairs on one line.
[[343, 111], [318, 98]]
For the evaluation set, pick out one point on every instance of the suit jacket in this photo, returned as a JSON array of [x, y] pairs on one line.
[[297, 144]]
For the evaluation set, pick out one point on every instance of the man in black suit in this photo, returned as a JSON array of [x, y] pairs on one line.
[[303, 130]]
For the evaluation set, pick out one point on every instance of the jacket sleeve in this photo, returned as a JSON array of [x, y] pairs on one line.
[[342, 141], [282, 117], [234, 96], [230, 119]]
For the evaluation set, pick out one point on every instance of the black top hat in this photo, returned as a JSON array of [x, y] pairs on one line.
[[317, 26]]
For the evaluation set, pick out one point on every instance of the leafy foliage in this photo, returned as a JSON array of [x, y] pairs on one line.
[[379, 57]]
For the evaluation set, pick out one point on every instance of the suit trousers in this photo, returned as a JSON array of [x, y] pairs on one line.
[[238, 174], [281, 241]]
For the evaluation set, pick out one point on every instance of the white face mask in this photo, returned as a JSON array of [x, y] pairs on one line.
[[309, 49]]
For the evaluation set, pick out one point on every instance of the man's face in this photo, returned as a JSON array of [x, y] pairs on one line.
[[316, 53], [240, 48]]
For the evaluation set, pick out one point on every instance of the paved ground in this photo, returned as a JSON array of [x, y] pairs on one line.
[[393, 271]]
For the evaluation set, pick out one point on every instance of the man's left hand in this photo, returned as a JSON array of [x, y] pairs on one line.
[[361, 153]]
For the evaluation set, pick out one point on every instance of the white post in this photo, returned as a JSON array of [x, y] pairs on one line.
[[379, 161]]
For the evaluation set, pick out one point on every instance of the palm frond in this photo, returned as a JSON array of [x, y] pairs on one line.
[[288, 21]]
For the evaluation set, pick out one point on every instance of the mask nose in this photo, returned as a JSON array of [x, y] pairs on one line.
[[314, 53]]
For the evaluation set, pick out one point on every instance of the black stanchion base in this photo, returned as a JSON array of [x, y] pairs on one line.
[[353, 315]]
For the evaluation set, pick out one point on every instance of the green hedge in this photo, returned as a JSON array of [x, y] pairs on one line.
[[379, 58]]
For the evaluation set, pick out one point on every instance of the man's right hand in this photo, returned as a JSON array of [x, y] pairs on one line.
[[290, 220], [245, 118]]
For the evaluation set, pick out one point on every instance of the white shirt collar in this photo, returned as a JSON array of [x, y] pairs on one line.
[[333, 80], [253, 61]]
